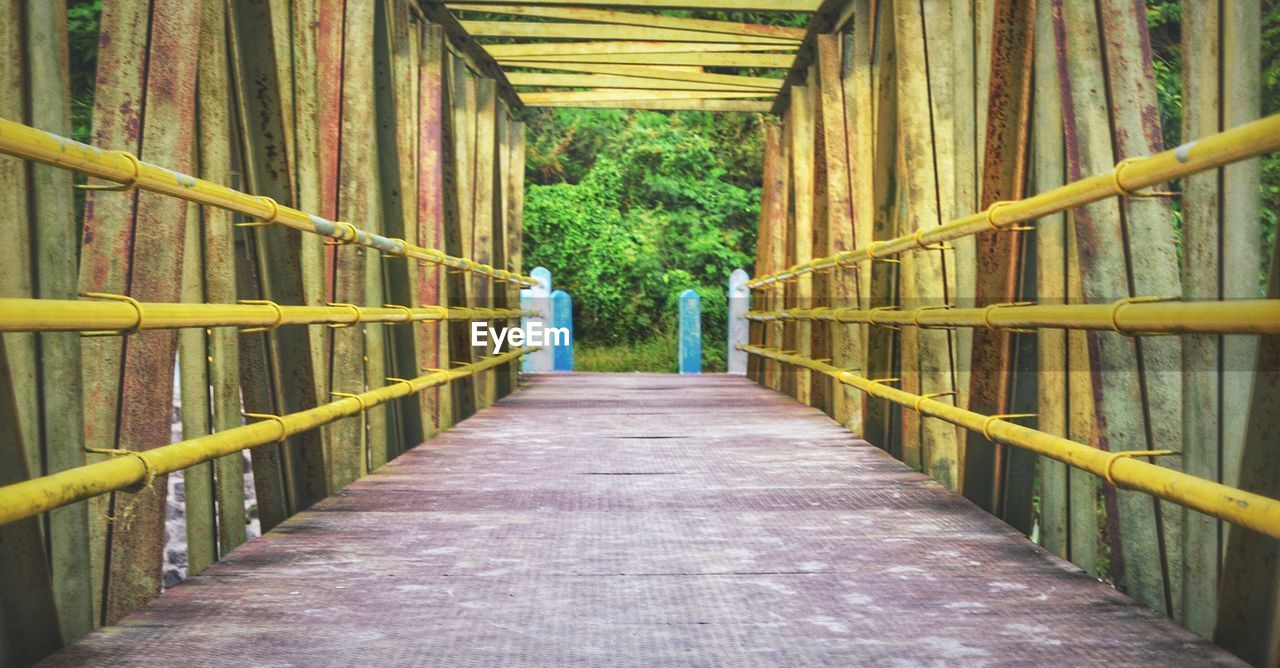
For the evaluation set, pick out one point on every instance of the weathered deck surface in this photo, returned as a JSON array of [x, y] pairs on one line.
[[643, 519]]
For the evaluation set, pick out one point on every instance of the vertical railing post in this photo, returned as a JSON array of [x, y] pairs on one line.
[[690, 332], [537, 298], [562, 319], [739, 302], [801, 123]]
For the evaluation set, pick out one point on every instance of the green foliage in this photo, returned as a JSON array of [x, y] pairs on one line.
[[627, 210], [82, 61], [1270, 105], [1164, 20], [82, 46]]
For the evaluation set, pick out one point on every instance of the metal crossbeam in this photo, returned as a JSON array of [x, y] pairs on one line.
[[717, 105], [781, 6], [601, 47], [752, 60], [637, 95], [540, 79], [758, 83], [522, 29], [639, 20]]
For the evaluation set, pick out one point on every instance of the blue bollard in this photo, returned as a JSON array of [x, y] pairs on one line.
[[562, 318], [690, 332], [537, 298]]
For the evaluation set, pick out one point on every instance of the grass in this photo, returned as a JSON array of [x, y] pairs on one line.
[[657, 355]]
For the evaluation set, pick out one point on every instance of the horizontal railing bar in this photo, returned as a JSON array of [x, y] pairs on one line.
[[1246, 141], [29, 143], [62, 315], [32, 497], [1246, 509], [1134, 317]]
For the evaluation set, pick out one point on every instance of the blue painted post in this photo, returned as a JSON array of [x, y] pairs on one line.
[[562, 318], [537, 298], [690, 332]]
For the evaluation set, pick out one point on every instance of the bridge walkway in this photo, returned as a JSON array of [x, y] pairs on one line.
[[643, 519]]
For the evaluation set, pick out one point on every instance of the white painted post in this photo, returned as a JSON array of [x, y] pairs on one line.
[[739, 304], [537, 298]]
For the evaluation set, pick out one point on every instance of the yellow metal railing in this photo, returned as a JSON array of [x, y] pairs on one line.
[[107, 314], [1122, 469], [122, 315], [130, 468], [124, 168], [1128, 177], [1133, 316]]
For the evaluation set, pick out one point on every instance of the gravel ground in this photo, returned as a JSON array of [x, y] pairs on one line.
[[175, 548]]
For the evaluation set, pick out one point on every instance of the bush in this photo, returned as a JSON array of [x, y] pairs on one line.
[[666, 202]]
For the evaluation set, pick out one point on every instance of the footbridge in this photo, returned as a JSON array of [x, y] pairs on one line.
[[1013, 354]]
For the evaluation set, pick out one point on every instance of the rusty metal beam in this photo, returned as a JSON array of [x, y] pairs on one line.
[[999, 255], [823, 21], [434, 161], [440, 15], [146, 396]]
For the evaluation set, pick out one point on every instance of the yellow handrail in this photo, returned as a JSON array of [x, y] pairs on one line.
[[30, 143], [1246, 509], [1133, 316], [118, 315], [1246, 141], [38, 495]]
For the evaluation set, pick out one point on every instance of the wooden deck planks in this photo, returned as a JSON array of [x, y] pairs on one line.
[[643, 519]]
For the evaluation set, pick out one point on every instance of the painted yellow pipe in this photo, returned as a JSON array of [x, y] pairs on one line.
[[123, 315], [1246, 509], [1127, 316], [38, 495], [1240, 143], [29, 143]]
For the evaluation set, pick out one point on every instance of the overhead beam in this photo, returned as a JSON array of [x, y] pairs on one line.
[[624, 48], [755, 60], [525, 29], [825, 20], [637, 19], [606, 95], [669, 105], [789, 6], [542, 79], [475, 53], [658, 73]]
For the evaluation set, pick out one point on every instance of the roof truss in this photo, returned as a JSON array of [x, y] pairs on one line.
[[548, 80], [669, 74], [630, 54], [641, 95], [639, 20], [548, 30], [789, 6], [699, 60], [598, 47], [750, 106]]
